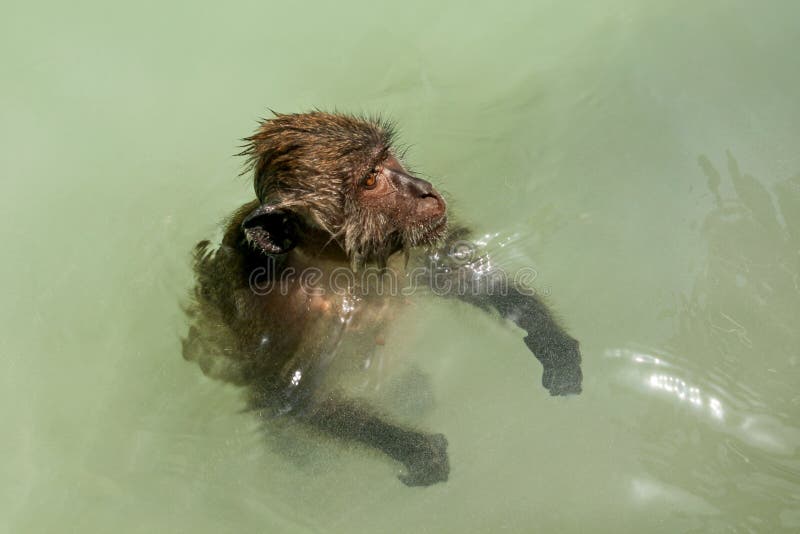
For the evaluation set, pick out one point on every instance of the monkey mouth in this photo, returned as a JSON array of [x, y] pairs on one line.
[[433, 229], [439, 224]]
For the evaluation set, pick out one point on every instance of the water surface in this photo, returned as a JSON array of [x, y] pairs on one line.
[[642, 156]]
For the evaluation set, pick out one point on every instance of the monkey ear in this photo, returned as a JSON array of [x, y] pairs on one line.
[[270, 230]]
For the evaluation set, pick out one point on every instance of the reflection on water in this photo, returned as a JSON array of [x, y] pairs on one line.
[[714, 365], [648, 491], [659, 376]]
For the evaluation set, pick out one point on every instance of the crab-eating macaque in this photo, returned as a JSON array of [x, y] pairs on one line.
[[280, 306]]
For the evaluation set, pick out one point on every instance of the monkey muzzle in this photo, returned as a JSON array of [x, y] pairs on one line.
[[428, 204]]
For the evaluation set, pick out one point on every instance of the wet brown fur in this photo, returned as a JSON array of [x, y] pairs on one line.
[[311, 163], [317, 207]]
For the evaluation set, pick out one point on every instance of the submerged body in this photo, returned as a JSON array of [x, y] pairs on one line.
[[289, 324], [307, 278]]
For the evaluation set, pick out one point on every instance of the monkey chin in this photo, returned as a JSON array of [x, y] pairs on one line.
[[428, 233]]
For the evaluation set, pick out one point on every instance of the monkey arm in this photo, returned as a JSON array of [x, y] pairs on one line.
[[423, 455], [558, 352], [471, 279]]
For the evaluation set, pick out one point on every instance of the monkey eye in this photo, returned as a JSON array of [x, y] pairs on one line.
[[371, 180]]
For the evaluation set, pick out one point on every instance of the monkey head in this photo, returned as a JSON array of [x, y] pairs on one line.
[[339, 175]]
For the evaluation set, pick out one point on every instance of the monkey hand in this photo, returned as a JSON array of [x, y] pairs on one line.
[[561, 358], [427, 462]]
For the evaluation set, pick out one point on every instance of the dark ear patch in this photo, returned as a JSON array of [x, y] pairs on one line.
[[270, 230]]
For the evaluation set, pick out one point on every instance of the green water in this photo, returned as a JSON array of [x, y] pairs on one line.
[[642, 155]]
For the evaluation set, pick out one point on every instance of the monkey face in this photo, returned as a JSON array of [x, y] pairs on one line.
[[337, 174], [399, 206]]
